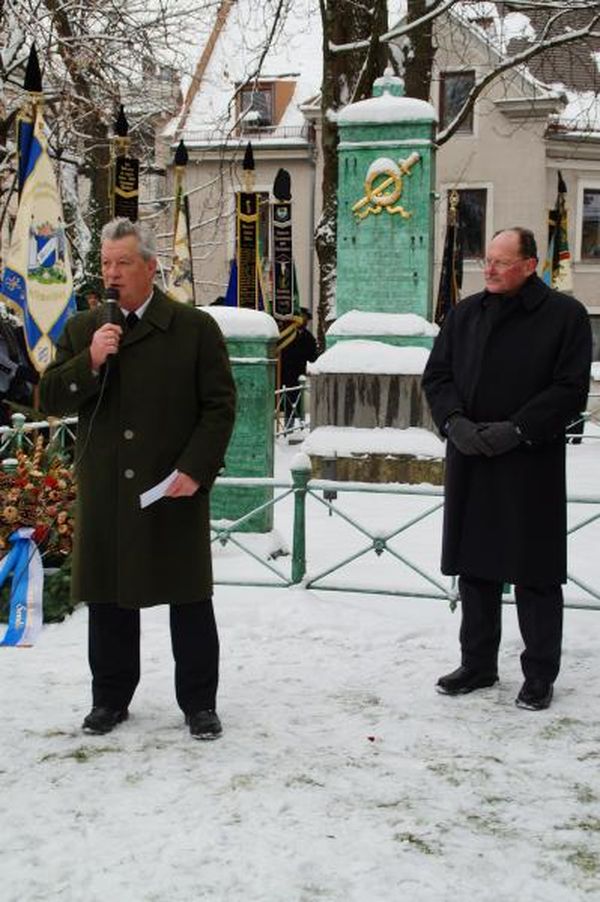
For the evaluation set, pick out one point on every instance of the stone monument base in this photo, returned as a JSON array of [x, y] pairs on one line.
[[403, 468], [410, 455]]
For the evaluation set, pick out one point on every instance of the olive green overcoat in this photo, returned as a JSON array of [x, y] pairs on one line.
[[168, 403]]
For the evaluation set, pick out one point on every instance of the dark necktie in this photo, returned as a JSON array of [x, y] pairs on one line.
[[132, 319]]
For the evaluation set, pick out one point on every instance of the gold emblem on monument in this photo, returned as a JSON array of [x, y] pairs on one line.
[[382, 195]]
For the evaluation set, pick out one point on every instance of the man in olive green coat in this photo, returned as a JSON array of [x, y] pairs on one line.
[[153, 389]]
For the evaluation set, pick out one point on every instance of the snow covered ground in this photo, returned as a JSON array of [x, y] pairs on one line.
[[341, 774]]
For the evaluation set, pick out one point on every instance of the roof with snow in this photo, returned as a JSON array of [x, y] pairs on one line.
[[568, 69], [230, 54], [233, 56]]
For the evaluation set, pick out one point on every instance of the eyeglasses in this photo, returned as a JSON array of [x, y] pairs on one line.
[[499, 265]]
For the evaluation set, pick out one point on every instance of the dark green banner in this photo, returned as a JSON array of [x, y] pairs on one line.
[[126, 190], [247, 250], [283, 268]]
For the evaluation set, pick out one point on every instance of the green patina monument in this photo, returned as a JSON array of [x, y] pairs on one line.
[[385, 240], [385, 208], [251, 338]]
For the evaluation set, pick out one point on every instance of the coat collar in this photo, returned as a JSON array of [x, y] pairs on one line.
[[160, 310], [533, 293], [158, 315]]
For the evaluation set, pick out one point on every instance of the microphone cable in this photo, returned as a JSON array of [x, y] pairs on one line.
[[110, 313]]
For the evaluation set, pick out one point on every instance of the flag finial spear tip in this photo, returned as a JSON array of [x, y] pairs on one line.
[[181, 154], [282, 186], [121, 124], [33, 75], [248, 163]]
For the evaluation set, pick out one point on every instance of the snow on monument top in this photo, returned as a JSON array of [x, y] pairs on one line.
[[387, 108], [362, 356], [361, 322], [238, 322]]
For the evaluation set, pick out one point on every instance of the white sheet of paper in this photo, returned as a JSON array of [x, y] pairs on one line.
[[157, 491]]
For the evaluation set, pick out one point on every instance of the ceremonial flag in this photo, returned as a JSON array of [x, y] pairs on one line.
[[284, 273], [231, 295], [451, 274], [125, 181], [249, 292], [286, 302], [37, 281], [180, 283], [557, 268]]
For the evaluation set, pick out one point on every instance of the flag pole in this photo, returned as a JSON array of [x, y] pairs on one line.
[[180, 282], [452, 262]]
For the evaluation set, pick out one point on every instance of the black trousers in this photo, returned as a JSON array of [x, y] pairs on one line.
[[114, 654], [540, 614]]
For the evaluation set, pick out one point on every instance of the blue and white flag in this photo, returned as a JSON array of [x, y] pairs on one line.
[[25, 617], [37, 280]]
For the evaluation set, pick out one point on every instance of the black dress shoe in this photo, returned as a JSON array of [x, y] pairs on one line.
[[535, 695], [463, 680], [204, 724], [103, 720]]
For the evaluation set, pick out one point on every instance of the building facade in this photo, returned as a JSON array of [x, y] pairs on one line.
[[504, 160]]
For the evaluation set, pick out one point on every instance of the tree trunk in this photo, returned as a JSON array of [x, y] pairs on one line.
[[97, 169], [419, 52], [347, 77]]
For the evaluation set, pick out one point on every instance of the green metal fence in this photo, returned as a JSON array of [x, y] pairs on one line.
[[21, 436], [314, 568], [293, 559]]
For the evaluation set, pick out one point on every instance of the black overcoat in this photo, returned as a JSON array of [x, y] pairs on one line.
[[295, 356], [168, 403], [527, 359]]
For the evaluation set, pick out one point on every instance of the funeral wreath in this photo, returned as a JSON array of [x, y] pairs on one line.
[[38, 492]]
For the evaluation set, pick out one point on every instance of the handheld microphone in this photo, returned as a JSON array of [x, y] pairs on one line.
[[111, 312]]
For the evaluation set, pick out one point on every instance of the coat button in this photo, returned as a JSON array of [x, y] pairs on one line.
[[73, 386], [128, 433], [129, 474]]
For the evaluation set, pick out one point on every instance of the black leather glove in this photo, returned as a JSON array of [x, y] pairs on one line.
[[499, 438], [465, 435]]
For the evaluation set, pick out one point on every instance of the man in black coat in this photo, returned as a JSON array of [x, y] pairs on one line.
[[507, 374], [294, 357]]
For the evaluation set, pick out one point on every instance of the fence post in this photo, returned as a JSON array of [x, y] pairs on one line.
[[18, 425], [301, 469]]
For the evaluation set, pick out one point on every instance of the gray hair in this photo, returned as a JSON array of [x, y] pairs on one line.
[[123, 228]]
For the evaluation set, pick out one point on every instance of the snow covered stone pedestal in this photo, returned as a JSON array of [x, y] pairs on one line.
[[409, 456], [370, 376], [369, 419]]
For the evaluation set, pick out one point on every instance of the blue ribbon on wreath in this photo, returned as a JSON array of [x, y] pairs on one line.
[[25, 616]]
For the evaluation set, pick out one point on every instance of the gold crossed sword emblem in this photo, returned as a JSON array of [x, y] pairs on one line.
[[382, 195]]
